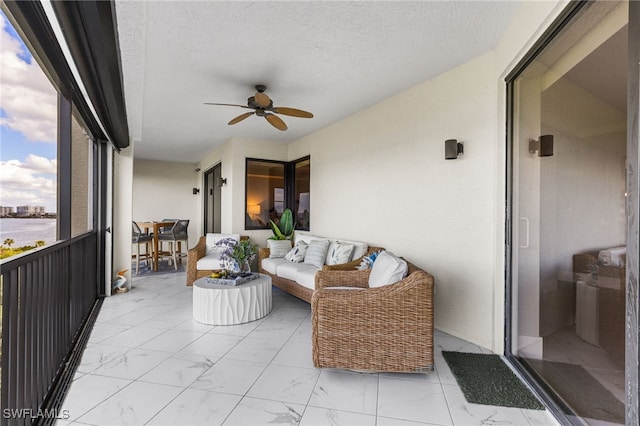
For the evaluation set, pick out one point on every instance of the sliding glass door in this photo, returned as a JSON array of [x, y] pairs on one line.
[[568, 214]]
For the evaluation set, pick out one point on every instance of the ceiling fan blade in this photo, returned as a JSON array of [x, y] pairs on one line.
[[292, 112], [235, 105], [275, 121], [241, 117]]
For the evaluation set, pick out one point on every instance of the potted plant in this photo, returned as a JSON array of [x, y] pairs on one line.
[[283, 230], [237, 257]]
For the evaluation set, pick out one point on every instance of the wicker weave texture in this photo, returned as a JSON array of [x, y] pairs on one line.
[[196, 253], [388, 328], [284, 284]]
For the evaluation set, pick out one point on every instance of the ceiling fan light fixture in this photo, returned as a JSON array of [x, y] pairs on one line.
[[261, 99], [262, 106]]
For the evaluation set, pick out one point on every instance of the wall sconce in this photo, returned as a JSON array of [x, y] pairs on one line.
[[221, 181], [452, 148], [544, 146], [196, 191]]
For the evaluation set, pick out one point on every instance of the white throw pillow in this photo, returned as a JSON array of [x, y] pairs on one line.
[[339, 253], [297, 253], [387, 269], [317, 253], [278, 248]]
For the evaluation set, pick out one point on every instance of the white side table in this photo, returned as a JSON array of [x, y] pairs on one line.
[[218, 304]]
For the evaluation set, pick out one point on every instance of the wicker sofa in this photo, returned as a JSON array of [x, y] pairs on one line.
[[298, 279], [387, 328]]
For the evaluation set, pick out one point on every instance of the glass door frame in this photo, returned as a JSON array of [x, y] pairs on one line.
[[633, 210]]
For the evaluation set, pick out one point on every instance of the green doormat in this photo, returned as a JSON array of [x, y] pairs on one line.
[[582, 392], [486, 379]]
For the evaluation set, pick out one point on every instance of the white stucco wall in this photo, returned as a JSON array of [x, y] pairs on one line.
[[164, 189], [122, 204], [232, 157], [380, 176]]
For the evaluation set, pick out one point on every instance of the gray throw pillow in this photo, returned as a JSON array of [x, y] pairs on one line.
[[317, 253], [278, 248]]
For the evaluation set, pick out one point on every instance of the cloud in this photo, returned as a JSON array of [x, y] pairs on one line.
[[41, 165], [29, 100], [30, 183]]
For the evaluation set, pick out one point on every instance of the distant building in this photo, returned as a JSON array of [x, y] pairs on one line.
[[30, 210], [6, 211]]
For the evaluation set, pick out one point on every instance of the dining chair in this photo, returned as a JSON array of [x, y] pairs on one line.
[[177, 233], [166, 229], [140, 238]]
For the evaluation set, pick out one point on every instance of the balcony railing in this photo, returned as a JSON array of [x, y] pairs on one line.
[[47, 297]]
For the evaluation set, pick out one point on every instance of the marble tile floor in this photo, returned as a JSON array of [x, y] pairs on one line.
[[148, 363]]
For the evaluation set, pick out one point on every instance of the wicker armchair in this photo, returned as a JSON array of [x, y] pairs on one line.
[[387, 328], [196, 253]]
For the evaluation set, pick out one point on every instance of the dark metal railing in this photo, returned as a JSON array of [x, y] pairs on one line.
[[47, 296]]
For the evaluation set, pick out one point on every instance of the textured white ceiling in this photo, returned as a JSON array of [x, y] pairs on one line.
[[332, 58]]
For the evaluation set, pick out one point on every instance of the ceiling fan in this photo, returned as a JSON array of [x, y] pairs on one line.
[[263, 106]]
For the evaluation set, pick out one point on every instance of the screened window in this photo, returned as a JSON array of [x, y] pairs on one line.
[[81, 179], [28, 159]]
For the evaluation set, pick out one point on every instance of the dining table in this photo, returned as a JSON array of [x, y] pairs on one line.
[[155, 228]]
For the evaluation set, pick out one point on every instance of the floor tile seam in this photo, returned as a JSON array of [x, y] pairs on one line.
[[147, 381], [179, 350], [345, 411], [311, 394], [105, 399], [136, 377], [279, 364], [231, 356], [446, 401], [141, 343], [232, 410], [166, 405], [256, 380], [225, 353]]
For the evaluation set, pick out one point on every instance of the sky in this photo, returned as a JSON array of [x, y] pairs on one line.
[[28, 119]]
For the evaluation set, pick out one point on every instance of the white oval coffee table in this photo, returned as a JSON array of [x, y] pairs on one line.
[[218, 304]]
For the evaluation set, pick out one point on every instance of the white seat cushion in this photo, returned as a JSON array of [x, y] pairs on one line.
[[289, 270], [306, 276], [271, 265], [387, 269], [210, 261]]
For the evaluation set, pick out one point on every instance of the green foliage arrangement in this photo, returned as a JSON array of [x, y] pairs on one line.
[[244, 251], [7, 251], [283, 230]]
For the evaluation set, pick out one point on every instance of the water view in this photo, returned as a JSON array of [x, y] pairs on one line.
[[25, 232]]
